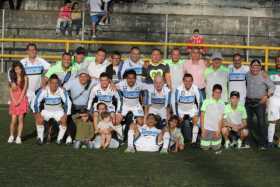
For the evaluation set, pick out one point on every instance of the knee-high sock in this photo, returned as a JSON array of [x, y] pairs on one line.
[[62, 130], [166, 140], [130, 138], [194, 133], [271, 131], [40, 131], [119, 130]]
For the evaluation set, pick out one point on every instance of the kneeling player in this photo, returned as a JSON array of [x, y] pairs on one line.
[[57, 106], [147, 137], [211, 119], [235, 118]]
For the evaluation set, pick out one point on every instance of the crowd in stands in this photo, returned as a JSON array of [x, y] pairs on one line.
[[103, 101]]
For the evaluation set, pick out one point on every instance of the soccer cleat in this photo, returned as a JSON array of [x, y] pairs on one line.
[[239, 143], [163, 151], [39, 141], [11, 139], [68, 140], [18, 140], [227, 143], [77, 144], [263, 148], [129, 150]]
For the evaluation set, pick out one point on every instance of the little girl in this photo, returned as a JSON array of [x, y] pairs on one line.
[[105, 128], [18, 100], [176, 137]]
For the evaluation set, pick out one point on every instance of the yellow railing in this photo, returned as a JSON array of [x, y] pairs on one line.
[[67, 44]]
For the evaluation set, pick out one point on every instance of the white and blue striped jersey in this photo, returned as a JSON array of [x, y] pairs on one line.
[[53, 102], [129, 65], [148, 135], [186, 101], [107, 96], [159, 100]]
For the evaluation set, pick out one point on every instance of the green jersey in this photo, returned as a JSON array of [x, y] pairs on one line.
[[235, 116]]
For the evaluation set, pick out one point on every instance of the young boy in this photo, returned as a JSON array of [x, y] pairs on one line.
[[105, 128], [211, 119], [85, 131], [235, 120]]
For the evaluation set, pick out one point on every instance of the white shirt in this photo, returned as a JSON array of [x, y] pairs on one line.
[[95, 6], [95, 69]]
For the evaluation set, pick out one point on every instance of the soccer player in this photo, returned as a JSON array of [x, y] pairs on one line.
[[187, 100], [148, 138], [216, 74], [159, 101], [274, 102], [34, 67], [235, 121], [211, 119], [237, 77], [57, 106]]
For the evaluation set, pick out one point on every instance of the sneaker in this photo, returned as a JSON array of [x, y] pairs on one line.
[[263, 148], [101, 23], [11, 139], [163, 151], [239, 143], [39, 141], [245, 146], [233, 143], [58, 142], [18, 140], [77, 144], [129, 150], [68, 140], [93, 36], [227, 143]]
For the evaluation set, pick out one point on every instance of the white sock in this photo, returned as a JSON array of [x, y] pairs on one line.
[[271, 131], [166, 140], [194, 133], [130, 138], [40, 131], [62, 130], [119, 130]]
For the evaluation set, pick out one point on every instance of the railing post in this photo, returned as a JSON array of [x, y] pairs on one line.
[[248, 39], [166, 37], [2, 43], [266, 61], [83, 20], [67, 46]]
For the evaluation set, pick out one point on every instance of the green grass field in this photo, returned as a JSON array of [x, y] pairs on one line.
[[60, 165]]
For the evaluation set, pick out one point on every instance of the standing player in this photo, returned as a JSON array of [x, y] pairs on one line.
[[159, 101], [235, 120], [187, 100], [274, 102], [57, 106], [211, 120], [237, 74]]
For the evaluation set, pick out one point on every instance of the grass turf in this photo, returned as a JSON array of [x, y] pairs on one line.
[[60, 165]]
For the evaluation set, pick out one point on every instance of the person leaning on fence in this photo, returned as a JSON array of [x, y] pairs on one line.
[[259, 89]]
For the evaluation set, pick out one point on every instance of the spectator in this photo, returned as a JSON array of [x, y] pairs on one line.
[[19, 102], [211, 120], [274, 103], [237, 74], [114, 68], [63, 24], [76, 18], [106, 8], [197, 39], [259, 89], [216, 74], [196, 67], [96, 13]]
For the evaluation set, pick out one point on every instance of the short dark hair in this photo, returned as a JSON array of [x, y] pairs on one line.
[[174, 117], [134, 48], [235, 55], [256, 61], [196, 30], [99, 104], [53, 77], [104, 74], [81, 51], [83, 111], [101, 50], [217, 87], [105, 115], [130, 72], [31, 45], [117, 53], [157, 49], [65, 53], [175, 49], [187, 75], [234, 93]]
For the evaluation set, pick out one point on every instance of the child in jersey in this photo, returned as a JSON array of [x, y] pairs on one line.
[[84, 130], [18, 100], [148, 138], [235, 120], [176, 136], [105, 128], [211, 120]]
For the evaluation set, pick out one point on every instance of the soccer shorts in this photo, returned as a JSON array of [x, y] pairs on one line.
[[137, 110], [158, 111], [57, 115], [274, 108]]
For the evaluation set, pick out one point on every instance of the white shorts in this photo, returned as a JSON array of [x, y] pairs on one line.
[[158, 111], [274, 108], [57, 115], [142, 145], [136, 110], [191, 113]]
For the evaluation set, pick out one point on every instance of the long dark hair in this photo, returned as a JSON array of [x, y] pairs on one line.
[[13, 75]]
